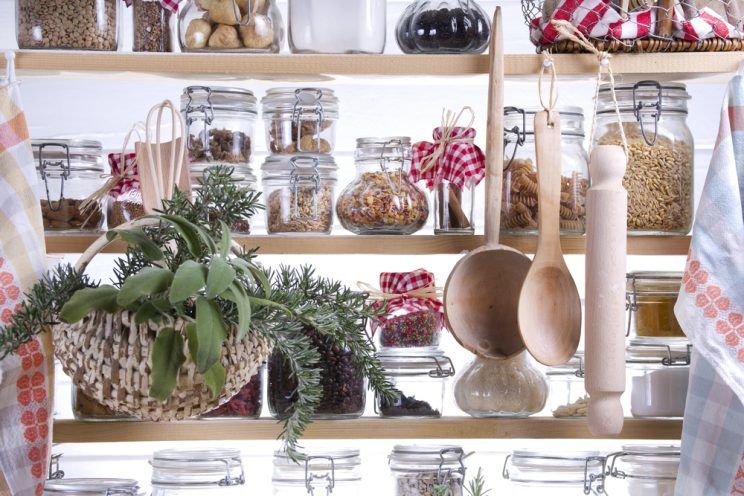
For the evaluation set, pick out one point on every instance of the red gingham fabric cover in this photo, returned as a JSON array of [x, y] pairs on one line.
[[171, 5], [128, 183], [462, 164], [402, 282]]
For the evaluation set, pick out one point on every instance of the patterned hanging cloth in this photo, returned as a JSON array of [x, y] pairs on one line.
[[27, 376]]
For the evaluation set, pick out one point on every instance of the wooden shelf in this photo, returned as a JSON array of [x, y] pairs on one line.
[[71, 431]]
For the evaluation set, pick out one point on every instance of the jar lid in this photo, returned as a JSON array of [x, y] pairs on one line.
[[303, 100], [427, 458], [656, 462], [654, 282], [669, 352], [197, 467], [339, 464], [645, 96], [283, 166], [412, 362], [386, 142], [578, 468], [84, 155], [521, 120], [240, 174], [92, 487], [209, 98], [574, 367]]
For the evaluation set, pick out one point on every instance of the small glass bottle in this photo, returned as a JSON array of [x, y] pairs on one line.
[[651, 297], [423, 470], [562, 473], [568, 397], [92, 487], [642, 470], [151, 25], [336, 472], [207, 472], [300, 120], [453, 208]]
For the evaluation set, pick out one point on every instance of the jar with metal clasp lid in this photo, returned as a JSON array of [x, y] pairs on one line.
[[556, 474], [568, 397], [651, 297], [641, 470], [207, 472], [320, 472], [92, 487], [420, 470]]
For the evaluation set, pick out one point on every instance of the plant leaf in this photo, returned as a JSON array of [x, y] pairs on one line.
[[215, 379], [188, 231], [190, 277], [146, 282], [226, 238], [210, 332], [261, 276], [137, 237], [167, 358], [192, 340], [237, 294], [221, 275], [146, 312], [268, 303], [85, 300]]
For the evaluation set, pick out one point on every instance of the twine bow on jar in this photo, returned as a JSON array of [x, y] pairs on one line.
[[447, 137]]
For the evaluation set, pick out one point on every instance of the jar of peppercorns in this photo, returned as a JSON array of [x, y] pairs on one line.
[[246, 403]]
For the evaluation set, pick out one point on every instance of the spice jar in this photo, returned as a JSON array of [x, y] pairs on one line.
[[644, 470], [86, 409], [651, 297], [381, 199], [70, 171], [427, 470], [512, 387], [151, 26], [241, 176], [92, 487], [557, 474], [245, 404], [659, 373], [227, 26], [336, 472], [299, 191], [208, 472], [67, 24], [344, 387], [659, 173], [337, 26], [568, 397], [445, 26], [520, 202]]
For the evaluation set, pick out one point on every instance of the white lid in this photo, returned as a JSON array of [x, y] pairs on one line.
[[412, 361], [200, 98], [426, 458], [197, 467], [286, 100]]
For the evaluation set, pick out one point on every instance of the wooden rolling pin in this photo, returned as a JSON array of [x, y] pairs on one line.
[[606, 249]]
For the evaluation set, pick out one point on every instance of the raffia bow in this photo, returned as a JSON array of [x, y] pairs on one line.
[[448, 127], [375, 294]]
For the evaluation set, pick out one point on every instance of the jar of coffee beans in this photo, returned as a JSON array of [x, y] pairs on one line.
[[69, 172], [152, 31]]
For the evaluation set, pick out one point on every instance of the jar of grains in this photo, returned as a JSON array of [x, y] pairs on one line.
[[561, 473], [151, 24], [651, 297], [69, 171], [381, 199], [660, 167], [642, 470], [246, 404], [68, 24], [241, 177], [568, 397], [92, 487], [427, 470], [206, 472], [321, 472], [299, 191], [520, 202], [300, 120]]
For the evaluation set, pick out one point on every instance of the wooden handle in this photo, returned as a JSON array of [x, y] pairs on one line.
[[665, 15], [495, 133], [548, 156], [606, 249]]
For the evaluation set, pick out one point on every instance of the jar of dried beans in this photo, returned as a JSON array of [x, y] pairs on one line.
[[659, 173], [320, 472], [427, 470], [241, 176], [651, 297], [245, 404], [152, 32], [382, 199], [299, 191], [568, 397], [69, 171], [520, 202]]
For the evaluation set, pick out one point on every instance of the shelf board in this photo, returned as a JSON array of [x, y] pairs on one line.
[[392, 245], [71, 431]]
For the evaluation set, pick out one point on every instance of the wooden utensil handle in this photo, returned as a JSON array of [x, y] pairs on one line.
[[495, 133], [665, 14], [548, 155]]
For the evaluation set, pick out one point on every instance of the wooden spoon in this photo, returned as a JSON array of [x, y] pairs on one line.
[[481, 294], [549, 304]]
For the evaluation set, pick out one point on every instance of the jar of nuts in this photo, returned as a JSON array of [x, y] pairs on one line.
[[69, 172], [299, 192], [520, 202], [382, 199], [568, 397], [661, 152], [300, 120]]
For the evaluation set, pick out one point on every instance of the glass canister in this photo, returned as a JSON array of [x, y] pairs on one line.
[[226, 26], [427, 470], [651, 297], [337, 26], [69, 171], [443, 26], [299, 191], [246, 404], [511, 387], [92, 487], [418, 380], [322, 472], [87, 409], [241, 177], [381, 199], [568, 397], [207, 472], [642, 470], [520, 202], [659, 374], [61, 24], [300, 120], [557, 474], [659, 174], [152, 32]]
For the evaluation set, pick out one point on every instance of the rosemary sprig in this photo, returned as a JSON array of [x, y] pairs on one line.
[[477, 485]]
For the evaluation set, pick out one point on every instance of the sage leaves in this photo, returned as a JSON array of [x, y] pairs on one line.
[[221, 276], [167, 359], [210, 334], [190, 277], [87, 300], [146, 282]]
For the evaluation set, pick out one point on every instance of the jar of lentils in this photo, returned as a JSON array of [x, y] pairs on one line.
[[322, 472], [300, 120], [427, 470]]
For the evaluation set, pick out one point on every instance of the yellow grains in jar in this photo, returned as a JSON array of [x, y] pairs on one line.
[[651, 299]]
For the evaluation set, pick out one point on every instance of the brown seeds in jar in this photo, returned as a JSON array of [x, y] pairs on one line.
[[74, 24], [225, 146], [151, 27], [123, 211], [66, 215], [314, 212], [280, 141]]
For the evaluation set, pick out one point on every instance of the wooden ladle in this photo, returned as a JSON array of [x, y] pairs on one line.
[[549, 304], [480, 297]]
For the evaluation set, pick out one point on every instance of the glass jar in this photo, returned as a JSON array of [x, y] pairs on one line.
[[241, 176], [300, 120], [651, 297], [86, 409], [381, 199], [422, 470], [336, 472], [92, 487], [453, 208], [644, 470], [660, 371], [443, 26], [61, 24], [207, 472], [492, 387], [299, 191], [344, 388], [124, 202], [418, 379], [151, 25], [225, 26], [659, 174], [337, 26], [568, 397], [556, 474], [246, 404], [520, 201], [70, 171]]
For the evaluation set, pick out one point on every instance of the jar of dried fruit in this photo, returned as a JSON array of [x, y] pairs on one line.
[[246, 404], [659, 174], [152, 32], [227, 26], [300, 120], [568, 397], [382, 199], [241, 176], [320, 471], [651, 297], [69, 171], [427, 470], [520, 202], [299, 191]]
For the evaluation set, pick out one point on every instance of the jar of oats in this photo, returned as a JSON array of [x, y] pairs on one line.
[[660, 166]]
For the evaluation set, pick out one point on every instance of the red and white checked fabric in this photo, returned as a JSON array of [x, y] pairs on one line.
[[462, 163], [402, 283], [171, 5], [130, 181]]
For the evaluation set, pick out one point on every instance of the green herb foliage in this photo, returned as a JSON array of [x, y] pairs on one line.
[[477, 485]]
